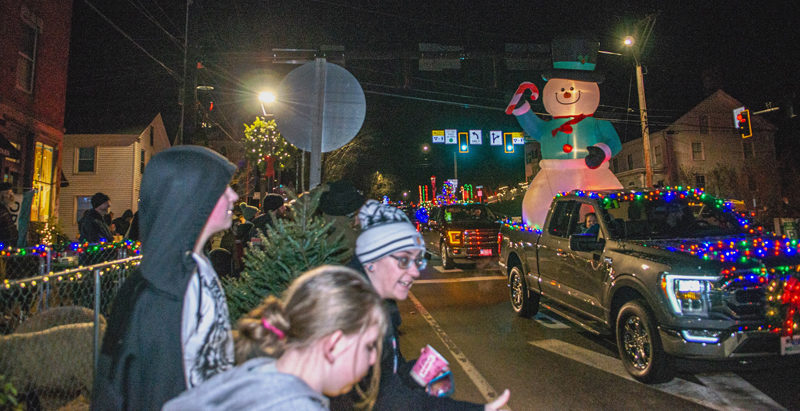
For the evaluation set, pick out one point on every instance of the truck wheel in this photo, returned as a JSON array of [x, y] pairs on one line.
[[640, 345], [447, 262], [524, 303]]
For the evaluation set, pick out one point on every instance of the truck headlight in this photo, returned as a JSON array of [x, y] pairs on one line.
[[688, 294]]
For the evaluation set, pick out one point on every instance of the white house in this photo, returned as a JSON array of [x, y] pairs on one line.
[[108, 163]]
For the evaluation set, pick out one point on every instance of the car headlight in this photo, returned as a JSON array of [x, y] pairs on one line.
[[688, 294]]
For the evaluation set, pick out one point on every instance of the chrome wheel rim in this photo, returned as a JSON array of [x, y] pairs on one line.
[[636, 343], [516, 290]]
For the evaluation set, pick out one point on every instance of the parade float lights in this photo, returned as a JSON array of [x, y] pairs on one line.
[[750, 249]]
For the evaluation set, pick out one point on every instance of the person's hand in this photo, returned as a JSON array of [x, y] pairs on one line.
[[499, 402]]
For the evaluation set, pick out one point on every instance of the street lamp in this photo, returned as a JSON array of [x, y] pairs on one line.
[[629, 41], [265, 97]]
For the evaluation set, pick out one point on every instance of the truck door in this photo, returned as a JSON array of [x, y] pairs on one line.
[[553, 251], [586, 272], [430, 230]]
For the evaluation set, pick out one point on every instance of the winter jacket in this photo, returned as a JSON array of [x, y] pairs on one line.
[[8, 228], [93, 228], [141, 360], [254, 385], [397, 390]]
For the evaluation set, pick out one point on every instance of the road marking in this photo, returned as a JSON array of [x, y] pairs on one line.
[[441, 269], [459, 280], [480, 382], [722, 391], [549, 321]]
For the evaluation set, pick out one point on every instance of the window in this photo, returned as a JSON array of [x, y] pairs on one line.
[[559, 222], [141, 162], [86, 156], [151, 136], [615, 165], [747, 148], [699, 180], [630, 161], [657, 154], [82, 204], [43, 170], [704, 124], [26, 58], [697, 151]]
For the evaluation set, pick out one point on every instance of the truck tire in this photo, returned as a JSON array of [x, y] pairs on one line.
[[639, 344], [524, 302], [447, 262]]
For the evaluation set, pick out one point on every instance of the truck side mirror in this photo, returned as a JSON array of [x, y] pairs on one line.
[[583, 242]]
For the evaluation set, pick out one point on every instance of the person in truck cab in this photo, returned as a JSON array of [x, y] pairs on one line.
[[590, 225]]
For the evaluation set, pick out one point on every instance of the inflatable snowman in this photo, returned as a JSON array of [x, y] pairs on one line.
[[575, 146]]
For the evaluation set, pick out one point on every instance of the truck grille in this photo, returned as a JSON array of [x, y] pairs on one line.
[[746, 303], [476, 240]]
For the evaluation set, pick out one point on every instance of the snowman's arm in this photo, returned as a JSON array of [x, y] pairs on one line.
[[530, 122], [609, 136]]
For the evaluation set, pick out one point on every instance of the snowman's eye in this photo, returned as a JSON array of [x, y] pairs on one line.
[[571, 88], [562, 89]]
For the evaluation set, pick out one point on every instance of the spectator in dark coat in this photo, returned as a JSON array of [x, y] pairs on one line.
[[272, 202], [8, 228], [122, 224], [92, 227]]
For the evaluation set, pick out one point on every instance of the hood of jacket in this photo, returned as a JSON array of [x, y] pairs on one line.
[[180, 188]]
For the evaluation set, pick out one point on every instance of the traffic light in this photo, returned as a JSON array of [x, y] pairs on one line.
[[463, 143], [508, 143], [742, 116]]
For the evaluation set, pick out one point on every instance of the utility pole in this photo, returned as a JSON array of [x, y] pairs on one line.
[[636, 46], [179, 136]]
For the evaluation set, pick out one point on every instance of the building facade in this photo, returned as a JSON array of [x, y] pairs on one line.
[[34, 52], [109, 163], [704, 149]]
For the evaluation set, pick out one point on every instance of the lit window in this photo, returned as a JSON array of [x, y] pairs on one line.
[[697, 151], [43, 170], [86, 157]]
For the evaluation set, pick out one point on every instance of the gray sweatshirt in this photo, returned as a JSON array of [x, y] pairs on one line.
[[254, 385]]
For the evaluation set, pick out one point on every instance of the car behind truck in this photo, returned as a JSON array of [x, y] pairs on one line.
[[666, 282]]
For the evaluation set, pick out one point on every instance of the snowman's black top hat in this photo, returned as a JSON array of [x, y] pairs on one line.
[[574, 58]]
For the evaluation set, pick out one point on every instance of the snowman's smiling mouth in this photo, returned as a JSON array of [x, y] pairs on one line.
[[568, 103]]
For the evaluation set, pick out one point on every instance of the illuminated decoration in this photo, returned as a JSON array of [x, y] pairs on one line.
[[422, 215], [265, 147], [576, 147], [741, 120], [754, 259], [463, 143], [81, 248], [72, 275]]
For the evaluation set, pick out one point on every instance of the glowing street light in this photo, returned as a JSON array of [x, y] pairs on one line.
[[265, 97]]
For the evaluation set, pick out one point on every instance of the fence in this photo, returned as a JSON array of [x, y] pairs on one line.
[[51, 322]]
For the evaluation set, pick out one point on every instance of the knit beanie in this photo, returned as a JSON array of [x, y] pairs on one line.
[[272, 202], [385, 230], [98, 199]]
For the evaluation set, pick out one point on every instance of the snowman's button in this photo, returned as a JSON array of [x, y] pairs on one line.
[[567, 148]]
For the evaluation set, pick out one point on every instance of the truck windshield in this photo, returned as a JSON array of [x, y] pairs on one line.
[[674, 218], [471, 212]]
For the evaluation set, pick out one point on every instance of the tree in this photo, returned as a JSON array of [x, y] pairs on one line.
[[266, 149], [290, 247]]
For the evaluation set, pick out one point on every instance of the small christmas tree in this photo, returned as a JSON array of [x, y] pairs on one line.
[[288, 248]]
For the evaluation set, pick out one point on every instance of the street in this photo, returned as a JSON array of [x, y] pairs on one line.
[[464, 313]]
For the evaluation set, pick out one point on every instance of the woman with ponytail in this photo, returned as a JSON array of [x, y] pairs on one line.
[[319, 340]]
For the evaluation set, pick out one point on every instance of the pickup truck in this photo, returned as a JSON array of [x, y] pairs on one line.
[[461, 232], [665, 280]]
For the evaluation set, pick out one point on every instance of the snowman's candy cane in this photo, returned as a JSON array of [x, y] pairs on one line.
[[518, 95]]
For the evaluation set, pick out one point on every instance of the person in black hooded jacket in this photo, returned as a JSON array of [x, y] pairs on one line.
[[169, 328]]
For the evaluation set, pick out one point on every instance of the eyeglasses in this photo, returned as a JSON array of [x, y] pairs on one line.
[[404, 262]]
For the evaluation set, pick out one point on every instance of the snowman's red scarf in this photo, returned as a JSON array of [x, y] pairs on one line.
[[566, 128]]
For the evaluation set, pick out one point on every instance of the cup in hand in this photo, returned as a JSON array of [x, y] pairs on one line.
[[428, 366]]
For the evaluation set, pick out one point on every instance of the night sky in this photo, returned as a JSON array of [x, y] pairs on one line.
[[695, 47]]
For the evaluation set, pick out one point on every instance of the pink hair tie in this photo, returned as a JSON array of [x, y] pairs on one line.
[[273, 328]]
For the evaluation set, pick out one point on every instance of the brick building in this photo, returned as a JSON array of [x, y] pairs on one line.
[[34, 52]]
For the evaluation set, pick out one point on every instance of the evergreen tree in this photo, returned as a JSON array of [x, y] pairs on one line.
[[288, 248]]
